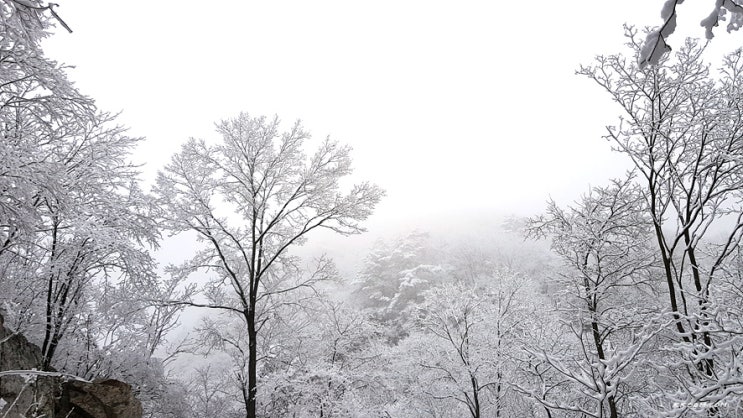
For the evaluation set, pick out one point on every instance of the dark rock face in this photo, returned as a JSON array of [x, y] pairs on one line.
[[48, 395], [23, 395], [100, 399]]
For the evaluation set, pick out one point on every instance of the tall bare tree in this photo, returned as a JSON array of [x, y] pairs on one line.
[[683, 130], [250, 199], [604, 244]]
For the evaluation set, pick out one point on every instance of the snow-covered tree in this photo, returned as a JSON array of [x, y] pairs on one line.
[[36, 102], [682, 131], [250, 199], [71, 212], [606, 298], [396, 274], [209, 394], [75, 271], [462, 352]]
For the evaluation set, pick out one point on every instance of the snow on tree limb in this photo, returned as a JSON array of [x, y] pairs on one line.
[[29, 373], [655, 45]]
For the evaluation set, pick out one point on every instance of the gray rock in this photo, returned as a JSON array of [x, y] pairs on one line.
[[101, 399], [50, 395]]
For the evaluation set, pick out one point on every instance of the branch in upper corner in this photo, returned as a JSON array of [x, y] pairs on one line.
[[50, 6], [655, 44], [59, 19]]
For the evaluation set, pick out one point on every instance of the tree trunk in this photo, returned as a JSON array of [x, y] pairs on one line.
[[600, 351], [706, 366], [252, 362], [475, 409]]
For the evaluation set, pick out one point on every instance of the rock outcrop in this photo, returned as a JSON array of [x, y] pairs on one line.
[[100, 399], [49, 394], [23, 394]]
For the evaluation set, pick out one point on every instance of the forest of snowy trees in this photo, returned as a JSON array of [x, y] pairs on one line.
[[627, 302]]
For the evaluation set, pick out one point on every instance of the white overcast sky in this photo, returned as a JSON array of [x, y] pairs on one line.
[[451, 106]]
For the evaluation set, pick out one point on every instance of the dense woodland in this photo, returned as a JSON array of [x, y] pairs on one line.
[[627, 302]]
